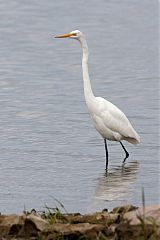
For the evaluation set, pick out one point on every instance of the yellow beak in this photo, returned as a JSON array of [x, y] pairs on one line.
[[66, 35]]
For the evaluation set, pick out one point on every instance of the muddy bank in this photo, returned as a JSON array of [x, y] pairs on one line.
[[122, 223]]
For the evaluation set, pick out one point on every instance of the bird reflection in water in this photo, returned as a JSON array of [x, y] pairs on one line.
[[117, 184]]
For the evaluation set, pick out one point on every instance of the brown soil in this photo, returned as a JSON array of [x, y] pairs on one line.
[[122, 223]]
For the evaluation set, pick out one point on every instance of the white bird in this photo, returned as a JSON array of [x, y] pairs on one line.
[[108, 119]]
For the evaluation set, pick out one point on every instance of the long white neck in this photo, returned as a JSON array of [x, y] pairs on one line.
[[87, 84]]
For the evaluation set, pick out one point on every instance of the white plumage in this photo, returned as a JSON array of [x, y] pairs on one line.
[[108, 119], [111, 122]]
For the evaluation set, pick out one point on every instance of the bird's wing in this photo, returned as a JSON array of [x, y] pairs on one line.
[[117, 123], [114, 119]]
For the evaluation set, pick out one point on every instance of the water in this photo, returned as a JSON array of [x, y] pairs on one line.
[[48, 146]]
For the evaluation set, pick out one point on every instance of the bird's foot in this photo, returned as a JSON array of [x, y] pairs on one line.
[[106, 169]]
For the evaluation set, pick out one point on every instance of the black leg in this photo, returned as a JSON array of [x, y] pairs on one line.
[[105, 143], [127, 154]]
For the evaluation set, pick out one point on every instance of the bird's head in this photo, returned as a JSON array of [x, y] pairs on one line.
[[76, 34]]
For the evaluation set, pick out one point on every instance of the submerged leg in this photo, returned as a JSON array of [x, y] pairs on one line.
[[127, 154], [105, 143]]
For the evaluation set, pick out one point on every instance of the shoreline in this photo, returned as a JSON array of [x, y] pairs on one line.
[[122, 223]]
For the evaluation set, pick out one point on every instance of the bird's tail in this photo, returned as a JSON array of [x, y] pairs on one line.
[[133, 140]]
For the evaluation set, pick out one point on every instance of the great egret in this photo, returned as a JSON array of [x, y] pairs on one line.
[[108, 119]]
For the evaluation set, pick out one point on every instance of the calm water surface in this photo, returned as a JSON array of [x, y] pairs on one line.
[[48, 146]]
